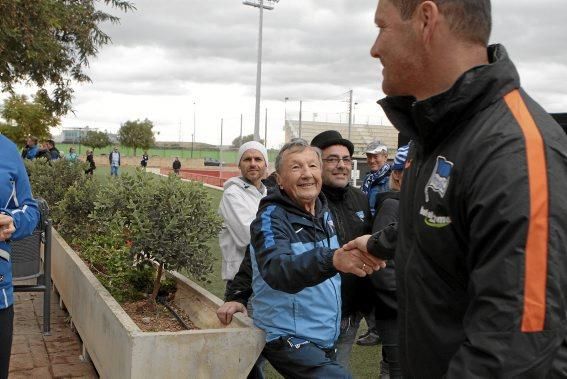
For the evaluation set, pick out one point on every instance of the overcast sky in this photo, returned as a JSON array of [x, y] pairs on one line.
[[169, 54]]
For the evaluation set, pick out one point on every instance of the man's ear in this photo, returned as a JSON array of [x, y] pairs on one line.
[[427, 17]]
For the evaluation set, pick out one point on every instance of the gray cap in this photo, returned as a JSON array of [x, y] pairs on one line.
[[376, 147]]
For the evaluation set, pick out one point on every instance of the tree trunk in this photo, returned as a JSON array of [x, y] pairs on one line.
[[157, 284]]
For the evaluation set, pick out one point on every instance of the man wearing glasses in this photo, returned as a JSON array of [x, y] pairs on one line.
[[352, 218]]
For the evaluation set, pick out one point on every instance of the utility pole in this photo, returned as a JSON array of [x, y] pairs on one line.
[[194, 127], [259, 4], [220, 147], [349, 112], [240, 129], [266, 130], [300, 111]]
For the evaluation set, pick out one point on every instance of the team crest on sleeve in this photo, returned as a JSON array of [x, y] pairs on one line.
[[439, 180]]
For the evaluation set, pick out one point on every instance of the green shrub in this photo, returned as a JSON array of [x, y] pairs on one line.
[[75, 207], [167, 221], [51, 179], [110, 259]]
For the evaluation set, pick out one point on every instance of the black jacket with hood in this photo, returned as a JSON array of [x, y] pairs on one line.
[[481, 259]]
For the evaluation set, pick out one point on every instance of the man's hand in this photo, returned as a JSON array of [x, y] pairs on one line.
[[356, 262], [358, 243], [225, 312], [7, 227]]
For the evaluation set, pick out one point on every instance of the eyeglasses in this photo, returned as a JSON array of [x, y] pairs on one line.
[[335, 160]]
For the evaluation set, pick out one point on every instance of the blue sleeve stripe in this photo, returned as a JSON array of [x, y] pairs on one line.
[[267, 232]]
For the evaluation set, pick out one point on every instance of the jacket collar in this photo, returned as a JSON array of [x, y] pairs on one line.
[[335, 193], [430, 120], [279, 197]]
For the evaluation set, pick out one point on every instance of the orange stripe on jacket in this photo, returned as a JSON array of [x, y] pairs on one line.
[[533, 318]]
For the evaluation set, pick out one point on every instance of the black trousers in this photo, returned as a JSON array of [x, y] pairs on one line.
[[6, 332]]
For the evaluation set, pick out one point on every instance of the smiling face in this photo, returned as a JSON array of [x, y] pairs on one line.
[[253, 166], [336, 174], [300, 177], [376, 161], [398, 50]]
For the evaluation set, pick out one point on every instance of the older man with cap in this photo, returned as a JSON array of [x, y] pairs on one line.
[[352, 217], [239, 205], [376, 181]]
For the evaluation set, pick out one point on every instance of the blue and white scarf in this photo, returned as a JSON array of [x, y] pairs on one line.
[[375, 177]]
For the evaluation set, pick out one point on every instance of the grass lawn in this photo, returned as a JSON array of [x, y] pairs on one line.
[[364, 362]]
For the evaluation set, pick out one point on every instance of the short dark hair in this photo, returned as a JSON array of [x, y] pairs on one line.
[[51, 142], [469, 19]]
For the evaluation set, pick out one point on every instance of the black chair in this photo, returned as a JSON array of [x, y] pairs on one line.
[[27, 263]]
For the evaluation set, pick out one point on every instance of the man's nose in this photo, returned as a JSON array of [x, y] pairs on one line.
[[374, 49]]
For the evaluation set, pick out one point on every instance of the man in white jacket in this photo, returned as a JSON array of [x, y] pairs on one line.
[[239, 205]]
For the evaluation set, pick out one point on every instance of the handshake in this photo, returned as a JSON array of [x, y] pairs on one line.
[[354, 258]]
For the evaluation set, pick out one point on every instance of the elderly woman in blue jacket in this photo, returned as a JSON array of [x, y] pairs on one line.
[[296, 258], [18, 218]]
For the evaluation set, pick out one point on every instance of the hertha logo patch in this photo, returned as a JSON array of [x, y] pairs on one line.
[[439, 180]]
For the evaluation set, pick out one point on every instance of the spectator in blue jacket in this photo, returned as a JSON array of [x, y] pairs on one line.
[[31, 150], [295, 263], [18, 218]]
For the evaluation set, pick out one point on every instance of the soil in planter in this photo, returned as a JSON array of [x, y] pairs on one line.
[[156, 318]]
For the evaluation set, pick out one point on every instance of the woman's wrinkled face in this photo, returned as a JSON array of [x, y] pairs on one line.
[[300, 176]]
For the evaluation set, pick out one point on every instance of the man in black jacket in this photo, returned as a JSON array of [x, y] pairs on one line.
[[481, 254], [352, 218]]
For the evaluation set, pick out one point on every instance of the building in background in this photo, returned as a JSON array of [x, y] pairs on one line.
[[360, 135]]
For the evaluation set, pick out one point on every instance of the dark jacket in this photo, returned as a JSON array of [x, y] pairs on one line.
[[90, 159], [296, 287], [110, 157], [482, 254], [54, 154], [352, 217], [384, 280], [176, 164]]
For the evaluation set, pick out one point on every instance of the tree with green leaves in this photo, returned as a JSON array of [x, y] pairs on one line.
[[237, 142], [166, 221], [48, 43], [137, 134], [24, 118], [95, 139]]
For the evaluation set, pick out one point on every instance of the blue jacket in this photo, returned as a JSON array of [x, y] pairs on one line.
[[16, 201], [32, 152], [297, 291]]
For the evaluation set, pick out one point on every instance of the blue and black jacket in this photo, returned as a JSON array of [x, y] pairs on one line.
[[15, 201], [297, 291]]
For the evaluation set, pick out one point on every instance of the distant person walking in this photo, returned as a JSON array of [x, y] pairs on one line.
[[91, 162], [144, 161], [176, 166], [72, 155], [114, 159], [54, 153]]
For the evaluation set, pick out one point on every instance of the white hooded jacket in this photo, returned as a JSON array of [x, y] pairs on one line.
[[238, 208]]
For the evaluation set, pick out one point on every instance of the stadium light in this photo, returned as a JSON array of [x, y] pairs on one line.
[[268, 5]]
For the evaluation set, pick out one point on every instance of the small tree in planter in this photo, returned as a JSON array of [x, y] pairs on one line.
[[166, 221]]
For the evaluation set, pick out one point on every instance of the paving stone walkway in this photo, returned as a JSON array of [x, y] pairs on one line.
[[37, 356]]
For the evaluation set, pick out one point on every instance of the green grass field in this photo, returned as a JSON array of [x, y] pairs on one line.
[[228, 156], [364, 361]]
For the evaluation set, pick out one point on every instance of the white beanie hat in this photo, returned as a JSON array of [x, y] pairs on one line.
[[252, 145]]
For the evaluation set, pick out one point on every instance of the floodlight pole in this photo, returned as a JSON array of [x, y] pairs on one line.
[[349, 112], [259, 64]]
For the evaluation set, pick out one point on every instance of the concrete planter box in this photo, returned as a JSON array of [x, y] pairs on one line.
[[119, 349]]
